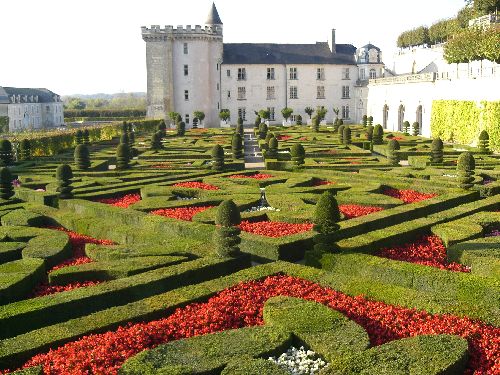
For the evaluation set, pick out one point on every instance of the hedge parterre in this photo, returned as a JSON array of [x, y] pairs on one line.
[[274, 228], [123, 201], [256, 176], [45, 289], [196, 185], [427, 250], [181, 213], [322, 183], [242, 306], [407, 196]]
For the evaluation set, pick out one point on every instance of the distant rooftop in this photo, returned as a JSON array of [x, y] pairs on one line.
[[44, 95], [213, 17]]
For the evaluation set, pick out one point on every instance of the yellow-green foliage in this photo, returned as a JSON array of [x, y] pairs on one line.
[[4, 124], [462, 121]]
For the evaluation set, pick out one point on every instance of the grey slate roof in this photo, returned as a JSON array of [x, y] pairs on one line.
[[213, 17], [4, 98], [370, 46], [264, 53], [44, 95]]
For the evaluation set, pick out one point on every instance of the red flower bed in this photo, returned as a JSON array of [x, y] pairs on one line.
[[274, 228], [284, 137], [45, 289], [123, 201], [407, 196], [427, 250], [303, 139], [181, 213], [242, 306], [196, 185], [78, 242], [256, 176], [322, 183], [353, 210]]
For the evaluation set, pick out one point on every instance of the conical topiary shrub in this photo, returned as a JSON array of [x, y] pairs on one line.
[[416, 128], [131, 139], [82, 157], [217, 158], [86, 136], [406, 127], [484, 142], [269, 135], [181, 129], [124, 127], [272, 148], [227, 235], [392, 152], [124, 138], [298, 120], [6, 155], [326, 217], [6, 187], [25, 149], [64, 174], [239, 127], [131, 127], [79, 137], [298, 154], [347, 138], [122, 156], [369, 133], [370, 120], [162, 127], [237, 146], [378, 135], [365, 120], [257, 122], [465, 169], [341, 133], [437, 151], [263, 128], [178, 119], [316, 122], [156, 141]]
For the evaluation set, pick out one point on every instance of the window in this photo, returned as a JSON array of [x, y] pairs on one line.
[[186, 94], [270, 73], [270, 93], [345, 73], [362, 74], [345, 92], [217, 67], [185, 48], [345, 112], [187, 119], [242, 113], [228, 72], [218, 87], [242, 74], [373, 74], [271, 113], [320, 74], [186, 70], [242, 93], [229, 94], [293, 73], [320, 92], [293, 118], [293, 92]]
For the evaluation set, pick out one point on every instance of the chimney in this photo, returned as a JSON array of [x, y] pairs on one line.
[[332, 42]]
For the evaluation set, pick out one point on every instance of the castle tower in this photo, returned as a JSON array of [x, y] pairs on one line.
[[183, 70]]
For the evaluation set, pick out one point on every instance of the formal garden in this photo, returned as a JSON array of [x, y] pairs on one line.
[[133, 248]]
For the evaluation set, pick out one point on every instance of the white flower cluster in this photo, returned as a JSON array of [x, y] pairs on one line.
[[185, 198], [261, 208], [300, 361]]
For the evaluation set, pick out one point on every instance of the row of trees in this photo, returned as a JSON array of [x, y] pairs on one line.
[[265, 114], [118, 101], [474, 44]]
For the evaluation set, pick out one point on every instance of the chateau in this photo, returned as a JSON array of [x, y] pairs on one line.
[[191, 69], [29, 108]]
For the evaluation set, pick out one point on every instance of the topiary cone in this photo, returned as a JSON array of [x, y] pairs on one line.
[[326, 217], [79, 137], [484, 142], [64, 174], [298, 154], [217, 158], [237, 146], [378, 135], [226, 236], [465, 170], [369, 133], [347, 135], [392, 151], [6, 156], [437, 151], [86, 136], [6, 187], [25, 148], [82, 157], [122, 156], [124, 138], [341, 133], [272, 151], [156, 141]]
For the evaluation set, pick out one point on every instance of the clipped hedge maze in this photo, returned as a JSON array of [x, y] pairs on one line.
[[126, 277]]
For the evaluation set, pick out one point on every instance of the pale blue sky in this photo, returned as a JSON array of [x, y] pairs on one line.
[[95, 45]]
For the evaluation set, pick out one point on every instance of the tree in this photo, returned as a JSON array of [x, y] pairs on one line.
[[286, 112], [316, 121], [64, 174], [406, 127], [341, 134], [217, 158], [122, 156], [370, 120], [272, 149], [326, 217], [321, 113], [299, 120], [481, 7], [437, 151], [6, 155], [465, 168], [347, 138], [365, 120], [484, 142], [416, 128], [173, 117], [79, 137], [336, 110], [265, 114], [263, 128], [181, 129], [6, 187], [369, 133], [309, 111], [227, 233], [200, 116], [392, 152], [258, 121], [378, 135], [156, 141], [75, 103], [162, 128], [237, 146], [298, 154], [25, 147], [82, 157], [224, 115]]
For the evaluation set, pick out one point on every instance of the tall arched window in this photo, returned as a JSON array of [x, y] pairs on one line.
[[385, 116], [401, 117], [373, 74], [418, 118]]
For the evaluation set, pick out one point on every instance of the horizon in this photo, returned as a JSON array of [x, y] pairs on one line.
[[109, 57]]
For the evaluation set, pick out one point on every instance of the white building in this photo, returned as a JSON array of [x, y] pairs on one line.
[[30, 108], [190, 69]]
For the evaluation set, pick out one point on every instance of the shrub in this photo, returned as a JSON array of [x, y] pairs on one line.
[[370, 120], [181, 129], [257, 122], [124, 127], [122, 156], [263, 130], [298, 154], [79, 137], [272, 151], [162, 127], [309, 111], [341, 133], [347, 135], [239, 127], [131, 139], [378, 135], [365, 120], [6, 187], [124, 138], [86, 137], [286, 113], [237, 146], [465, 168], [268, 137], [392, 151], [437, 151], [316, 120], [217, 158], [484, 142], [82, 157], [416, 128], [406, 127], [369, 133], [64, 174], [5, 152], [25, 151], [156, 141], [226, 236], [326, 217], [336, 125], [298, 120]]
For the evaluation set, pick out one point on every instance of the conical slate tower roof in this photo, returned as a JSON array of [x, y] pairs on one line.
[[213, 17]]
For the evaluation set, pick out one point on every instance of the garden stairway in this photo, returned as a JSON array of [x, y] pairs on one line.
[[253, 155]]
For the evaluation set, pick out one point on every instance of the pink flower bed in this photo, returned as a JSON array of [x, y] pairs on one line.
[[123, 201], [284, 137]]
